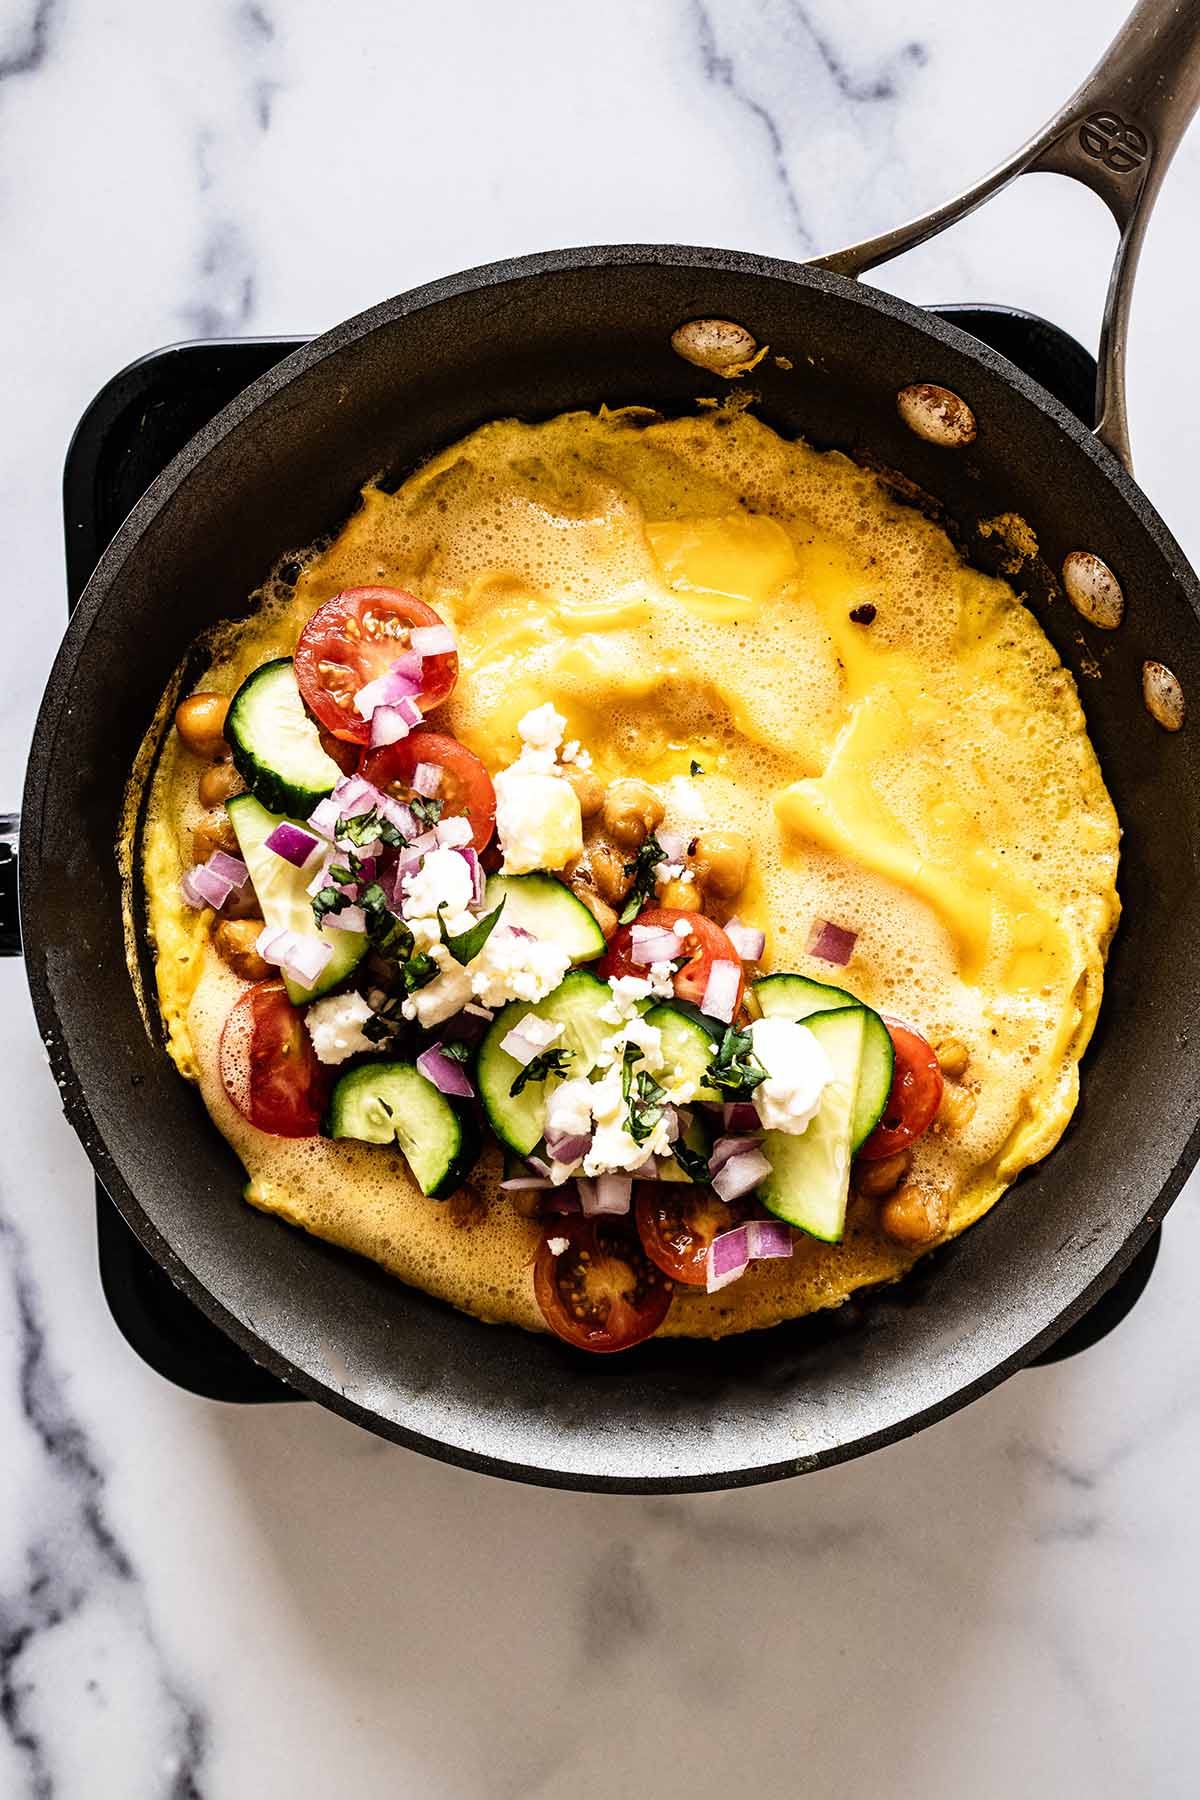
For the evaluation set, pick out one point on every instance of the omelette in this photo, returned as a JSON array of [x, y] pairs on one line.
[[769, 639]]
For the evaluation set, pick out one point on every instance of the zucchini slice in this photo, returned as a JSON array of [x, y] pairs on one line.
[[283, 895], [392, 1102], [276, 747]]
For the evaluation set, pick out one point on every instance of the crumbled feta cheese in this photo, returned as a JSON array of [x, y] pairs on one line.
[[667, 871], [541, 730], [635, 1030], [627, 990], [443, 879], [512, 966], [556, 1245], [442, 997], [662, 980], [541, 1033], [569, 1108], [333, 1025], [682, 928], [454, 833], [538, 820], [613, 1148], [798, 1072], [687, 877]]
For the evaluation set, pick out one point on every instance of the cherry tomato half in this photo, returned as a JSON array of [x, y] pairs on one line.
[[465, 790], [677, 1221], [269, 1068], [915, 1097], [706, 942], [353, 639], [602, 1293]]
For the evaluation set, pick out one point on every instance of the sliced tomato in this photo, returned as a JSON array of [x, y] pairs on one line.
[[269, 1068], [465, 789], [353, 639], [704, 945], [602, 1293], [915, 1097], [677, 1222]]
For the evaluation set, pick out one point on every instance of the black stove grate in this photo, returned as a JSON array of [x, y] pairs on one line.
[[132, 429]]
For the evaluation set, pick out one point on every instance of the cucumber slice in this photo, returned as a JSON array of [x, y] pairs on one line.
[[547, 907], [796, 997], [689, 1045], [276, 747], [576, 1002], [391, 1102], [810, 1170], [283, 896]]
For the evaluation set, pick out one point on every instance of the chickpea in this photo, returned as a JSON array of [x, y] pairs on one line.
[[219, 782], [215, 833], [600, 910], [681, 895], [953, 1057], [915, 1215], [722, 862], [589, 790], [875, 1180], [631, 809], [957, 1109], [607, 868], [200, 722], [234, 939]]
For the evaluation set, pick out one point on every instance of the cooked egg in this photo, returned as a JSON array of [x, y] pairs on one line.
[[766, 635]]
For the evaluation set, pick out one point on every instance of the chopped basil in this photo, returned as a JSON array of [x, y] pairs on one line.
[[696, 767], [426, 812], [735, 1069], [328, 900], [467, 944], [643, 1094], [550, 1062], [456, 1052], [692, 1162], [642, 869], [417, 972]]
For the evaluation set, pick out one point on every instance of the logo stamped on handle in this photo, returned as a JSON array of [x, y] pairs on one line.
[[1108, 138]]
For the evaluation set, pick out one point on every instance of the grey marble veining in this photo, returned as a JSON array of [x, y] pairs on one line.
[[208, 1602]]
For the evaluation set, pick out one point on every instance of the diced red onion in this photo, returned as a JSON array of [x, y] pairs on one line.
[[478, 878], [671, 1123], [388, 726], [354, 795], [647, 1171], [539, 1165], [230, 868], [450, 832], [517, 1183], [525, 1041], [606, 1194], [740, 1174], [728, 1258], [478, 1012], [748, 942], [433, 640], [299, 955], [741, 1116], [721, 990], [650, 944], [726, 1147], [350, 918], [427, 779], [385, 690], [294, 845], [570, 1148], [324, 817], [768, 1237], [674, 844], [831, 943], [202, 886], [447, 1075]]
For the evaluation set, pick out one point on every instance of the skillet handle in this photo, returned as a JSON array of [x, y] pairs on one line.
[[10, 924], [1116, 134]]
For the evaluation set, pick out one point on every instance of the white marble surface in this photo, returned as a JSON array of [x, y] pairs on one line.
[[204, 1601]]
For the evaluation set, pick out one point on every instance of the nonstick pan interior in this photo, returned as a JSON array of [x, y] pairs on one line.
[[282, 465]]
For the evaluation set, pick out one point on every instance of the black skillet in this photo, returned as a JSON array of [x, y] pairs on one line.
[[284, 462]]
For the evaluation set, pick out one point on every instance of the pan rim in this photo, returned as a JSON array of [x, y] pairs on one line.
[[92, 602]]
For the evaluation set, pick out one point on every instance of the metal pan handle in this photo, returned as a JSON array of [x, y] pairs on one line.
[[1116, 134]]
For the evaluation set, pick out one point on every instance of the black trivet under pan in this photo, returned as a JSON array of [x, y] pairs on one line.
[[128, 434]]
